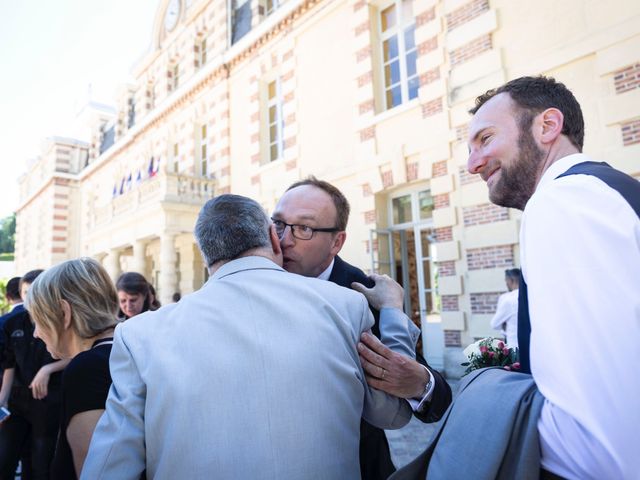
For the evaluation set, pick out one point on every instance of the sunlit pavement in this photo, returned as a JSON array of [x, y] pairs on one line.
[[408, 442]]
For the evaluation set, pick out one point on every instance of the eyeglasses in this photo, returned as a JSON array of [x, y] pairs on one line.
[[301, 232]]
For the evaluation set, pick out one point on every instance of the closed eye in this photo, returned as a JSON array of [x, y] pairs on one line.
[[304, 228]]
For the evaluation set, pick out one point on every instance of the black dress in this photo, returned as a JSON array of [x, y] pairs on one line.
[[85, 386]]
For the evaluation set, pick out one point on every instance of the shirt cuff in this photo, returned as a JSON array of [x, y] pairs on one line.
[[417, 404]]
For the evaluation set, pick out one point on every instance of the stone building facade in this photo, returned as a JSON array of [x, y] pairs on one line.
[[247, 96]]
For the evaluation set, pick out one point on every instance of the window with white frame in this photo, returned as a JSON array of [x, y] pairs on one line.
[[241, 19], [398, 55], [200, 52], [203, 150], [274, 120]]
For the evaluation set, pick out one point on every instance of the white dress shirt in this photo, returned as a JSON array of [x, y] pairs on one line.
[[580, 255], [506, 317]]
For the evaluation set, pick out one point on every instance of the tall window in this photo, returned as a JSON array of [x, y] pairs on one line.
[[173, 77], [131, 112], [270, 6], [200, 52], [241, 20], [275, 123], [176, 158], [397, 35], [150, 96], [203, 150]]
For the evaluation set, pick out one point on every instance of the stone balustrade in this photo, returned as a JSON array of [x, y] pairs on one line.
[[165, 187]]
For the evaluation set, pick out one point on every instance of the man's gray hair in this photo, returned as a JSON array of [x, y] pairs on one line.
[[229, 225]]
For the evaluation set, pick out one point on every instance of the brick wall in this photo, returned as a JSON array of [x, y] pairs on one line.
[[483, 214], [438, 169], [441, 201], [452, 338], [470, 50], [466, 177], [443, 234], [462, 133], [447, 269], [490, 257], [450, 303], [627, 78], [484, 303], [412, 171], [369, 217], [630, 132], [432, 107], [387, 179], [465, 13]]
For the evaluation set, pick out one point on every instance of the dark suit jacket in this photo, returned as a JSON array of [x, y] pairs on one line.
[[375, 459]]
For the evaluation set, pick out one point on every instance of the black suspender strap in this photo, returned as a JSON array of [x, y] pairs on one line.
[[626, 186]]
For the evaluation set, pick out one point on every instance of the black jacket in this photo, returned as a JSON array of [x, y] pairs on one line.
[[375, 459]]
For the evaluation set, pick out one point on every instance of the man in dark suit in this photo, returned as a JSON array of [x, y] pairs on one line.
[[12, 295], [311, 219]]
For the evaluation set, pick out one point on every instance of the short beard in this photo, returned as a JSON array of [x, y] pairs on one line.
[[518, 181]]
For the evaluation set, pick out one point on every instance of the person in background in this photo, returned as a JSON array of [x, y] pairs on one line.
[[75, 308], [12, 296], [506, 317], [31, 391], [134, 295]]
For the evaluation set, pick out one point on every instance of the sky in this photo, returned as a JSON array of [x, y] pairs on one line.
[[52, 54]]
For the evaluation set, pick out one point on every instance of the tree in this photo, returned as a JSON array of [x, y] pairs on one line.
[[7, 234]]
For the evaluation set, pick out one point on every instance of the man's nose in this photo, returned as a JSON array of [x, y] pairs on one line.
[[287, 238], [476, 162]]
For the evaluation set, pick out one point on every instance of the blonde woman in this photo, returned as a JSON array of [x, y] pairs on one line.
[[74, 306]]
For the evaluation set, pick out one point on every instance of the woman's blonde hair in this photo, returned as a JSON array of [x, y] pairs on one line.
[[85, 285]]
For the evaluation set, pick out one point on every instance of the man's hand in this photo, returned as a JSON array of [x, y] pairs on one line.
[[389, 371], [385, 293], [40, 384]]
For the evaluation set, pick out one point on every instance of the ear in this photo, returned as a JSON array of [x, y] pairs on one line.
[[338, 242], [66, 311], [275, 241], [552, 121]]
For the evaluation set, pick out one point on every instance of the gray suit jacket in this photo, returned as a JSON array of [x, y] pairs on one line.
[[489, 432], [256, 375]]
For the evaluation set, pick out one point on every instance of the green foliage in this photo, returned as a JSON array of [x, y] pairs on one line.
[[7, 234], [7, 257], [4, 305]]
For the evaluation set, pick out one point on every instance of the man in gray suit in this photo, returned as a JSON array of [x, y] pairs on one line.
[[256, 375]]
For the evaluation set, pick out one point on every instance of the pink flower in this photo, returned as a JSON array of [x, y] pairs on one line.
[[507, 367], [491, 354], [516, 365], [483, 349], [505, 351], [501, 345]]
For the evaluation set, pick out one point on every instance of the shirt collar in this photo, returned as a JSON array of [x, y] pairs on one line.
[[561, 166], [16, 305], [327, 272]]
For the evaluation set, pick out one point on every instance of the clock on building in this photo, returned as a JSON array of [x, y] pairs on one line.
[[172, 14]]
